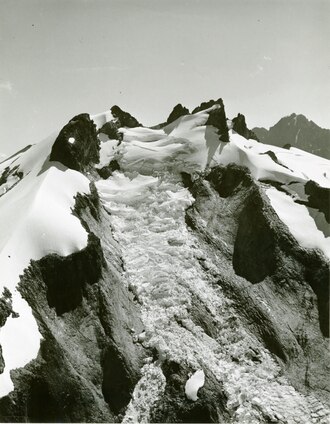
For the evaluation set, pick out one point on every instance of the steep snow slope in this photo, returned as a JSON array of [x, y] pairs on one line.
[[35, 220]]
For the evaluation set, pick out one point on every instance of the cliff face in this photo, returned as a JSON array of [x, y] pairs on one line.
[[191, 296]]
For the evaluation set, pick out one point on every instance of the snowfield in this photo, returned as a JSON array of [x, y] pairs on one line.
[[35, 220]]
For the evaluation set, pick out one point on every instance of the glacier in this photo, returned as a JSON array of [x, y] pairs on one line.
[[177, 305]]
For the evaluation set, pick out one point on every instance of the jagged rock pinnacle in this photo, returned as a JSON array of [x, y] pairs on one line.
[[239, 125], [125, 119], [176, 113]]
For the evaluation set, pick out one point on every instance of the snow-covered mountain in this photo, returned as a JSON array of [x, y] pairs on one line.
[[178, 273], [297, 131]]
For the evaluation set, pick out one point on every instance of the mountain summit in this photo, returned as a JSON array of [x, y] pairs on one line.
[[178, 273], [297, 131]]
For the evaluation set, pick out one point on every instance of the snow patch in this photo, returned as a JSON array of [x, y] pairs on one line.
[[71, 140], [193, 384]]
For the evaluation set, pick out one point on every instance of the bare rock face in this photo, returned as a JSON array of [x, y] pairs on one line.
[[77, 145], [239, 125], [217, 117]]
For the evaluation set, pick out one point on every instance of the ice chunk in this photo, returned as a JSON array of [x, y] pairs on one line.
[[193, 384]]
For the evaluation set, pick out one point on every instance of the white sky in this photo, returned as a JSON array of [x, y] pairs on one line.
[[265, 58]]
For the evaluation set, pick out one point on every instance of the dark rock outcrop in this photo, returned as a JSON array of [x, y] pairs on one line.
[[111, 130], [5, 174], [318, 198], [226, 180], [108, 170], [10, 172], [5, 311], [217, 117], [121, 119], [77, 145], [66, 277], [239, 125], [5, 306], [124, 119], [90, 202], [176, 113]]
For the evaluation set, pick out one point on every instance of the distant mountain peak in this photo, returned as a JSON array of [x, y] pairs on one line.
[[298, 131]]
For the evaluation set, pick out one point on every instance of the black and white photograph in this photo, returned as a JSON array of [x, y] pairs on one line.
[[164, 211]]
